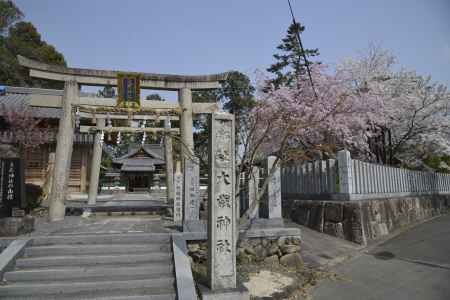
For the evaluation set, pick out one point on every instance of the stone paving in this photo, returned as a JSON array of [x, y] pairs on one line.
[[413, 265], [120, 202], [102, 225], [119, 196], [322, 250]]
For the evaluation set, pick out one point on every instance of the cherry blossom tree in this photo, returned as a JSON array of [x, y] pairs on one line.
[[413, 115], [24, 129], [291, 122]]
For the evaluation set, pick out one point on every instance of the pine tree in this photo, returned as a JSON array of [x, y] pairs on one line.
[[290, 62]]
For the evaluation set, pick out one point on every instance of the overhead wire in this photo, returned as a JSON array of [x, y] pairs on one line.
[[308, 70]]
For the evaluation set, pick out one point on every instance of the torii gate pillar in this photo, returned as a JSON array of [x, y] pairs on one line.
[[187, 138], [168, 154], [63, 157], [95, 164]]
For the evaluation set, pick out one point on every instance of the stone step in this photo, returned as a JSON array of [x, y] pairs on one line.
[[86, 290], [57, 250], [91, 260], [99, 273], [157, 295], [142, 297], [121, 238]]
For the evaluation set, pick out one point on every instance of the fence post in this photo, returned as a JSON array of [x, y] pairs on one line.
[[253, 190], [274, 189], [345, 172]]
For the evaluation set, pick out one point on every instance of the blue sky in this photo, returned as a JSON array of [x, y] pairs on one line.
[[209, 36]]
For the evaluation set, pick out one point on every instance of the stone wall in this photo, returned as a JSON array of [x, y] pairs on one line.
[[15, 226], [368, 220], [283, 250]]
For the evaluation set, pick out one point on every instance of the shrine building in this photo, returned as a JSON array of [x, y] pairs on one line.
[[142, 168]]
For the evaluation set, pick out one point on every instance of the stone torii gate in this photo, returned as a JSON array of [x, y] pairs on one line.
[[73, 78]]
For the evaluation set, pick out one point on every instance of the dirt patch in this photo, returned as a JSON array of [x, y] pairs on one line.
[[265, 283], [286, 283], [270, 277]]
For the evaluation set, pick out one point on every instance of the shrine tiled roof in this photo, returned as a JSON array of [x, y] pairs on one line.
[[126, 168], [142, 161], [140, 164], [133, 161], [20, 97], [155, 151]]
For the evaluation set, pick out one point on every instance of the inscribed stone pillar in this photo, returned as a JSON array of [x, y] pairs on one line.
[[253, 190], [95, 163], [187, 138], [63, 156], [346, 172], [222, 205], [168, 153], [178, 197], [274, 190], [191, 193]]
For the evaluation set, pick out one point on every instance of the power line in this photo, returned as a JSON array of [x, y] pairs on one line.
[[302, 50]]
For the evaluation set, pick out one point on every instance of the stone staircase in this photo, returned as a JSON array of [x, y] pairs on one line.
[[107, 266]]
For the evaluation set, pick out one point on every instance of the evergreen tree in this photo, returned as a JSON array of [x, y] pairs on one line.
[[9, 14], [290, 62], [106, 92], [155, 97], [236, 94], [18, 37], [237, 97]]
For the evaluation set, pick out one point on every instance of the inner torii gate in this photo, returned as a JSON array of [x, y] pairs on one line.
[[91, 107]]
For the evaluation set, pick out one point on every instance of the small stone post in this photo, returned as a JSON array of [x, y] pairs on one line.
[[274, 190], [345, 172], [191, 194], [253, 190], [156, 182], [63, 154], [178, 197], [169, 162], [95, 163], [222, 205]]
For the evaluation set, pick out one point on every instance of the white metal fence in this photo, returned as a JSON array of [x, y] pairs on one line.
[[376, 179], [319, 177], [350, 179]]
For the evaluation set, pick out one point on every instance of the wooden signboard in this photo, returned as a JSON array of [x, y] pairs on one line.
[[129, 90], [12, 186]]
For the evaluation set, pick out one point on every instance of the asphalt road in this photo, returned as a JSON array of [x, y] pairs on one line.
[[413, 265]]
